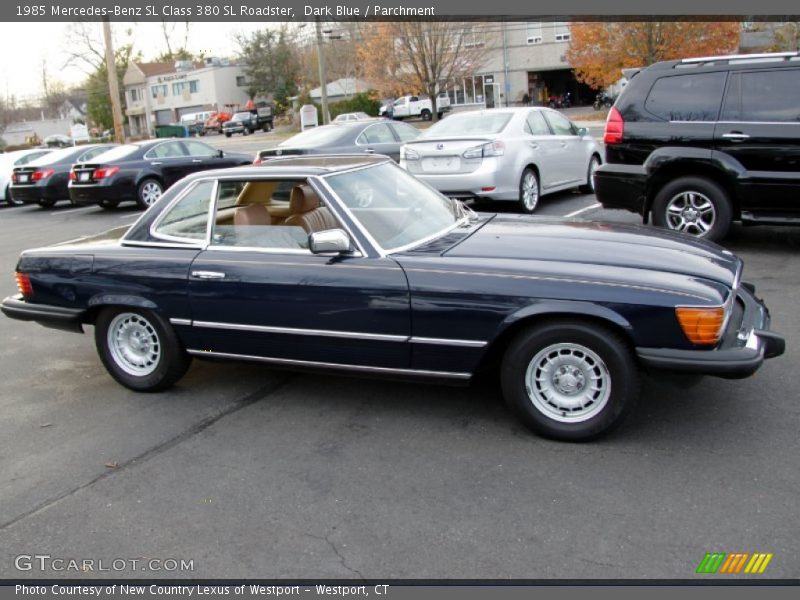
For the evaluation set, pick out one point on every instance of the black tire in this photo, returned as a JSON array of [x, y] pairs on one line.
[[228, 134], [425, 114], [161, 354], [560, 404], [107, 204], [588, 187], [46, 202], [528, 204], [146, 194], [698, 198], [10, 199]]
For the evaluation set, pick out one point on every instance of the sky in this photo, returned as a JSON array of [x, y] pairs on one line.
[[23, 47]]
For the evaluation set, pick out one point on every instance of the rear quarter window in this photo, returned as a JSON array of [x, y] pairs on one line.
[[690, 97]]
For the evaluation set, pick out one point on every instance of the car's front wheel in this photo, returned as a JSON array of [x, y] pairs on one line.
[[228, 134], [139, 349], [570, 380], [528, 191], [694, 205], [588, 187], [46, 202], [148, 192]]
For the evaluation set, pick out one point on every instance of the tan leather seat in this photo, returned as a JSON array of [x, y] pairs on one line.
[[307, 212], [255, 214]]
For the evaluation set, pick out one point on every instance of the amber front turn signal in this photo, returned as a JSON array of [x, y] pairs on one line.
[[702, 325]]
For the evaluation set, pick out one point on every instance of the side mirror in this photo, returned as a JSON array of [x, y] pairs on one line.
[[583, 132], [331, 240], [220, 154]]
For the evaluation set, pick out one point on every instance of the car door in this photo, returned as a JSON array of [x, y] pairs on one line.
[[205, 157], [571, 168], [257, 291], [379, 139], [170, 160], [542, 148], [760, 129]]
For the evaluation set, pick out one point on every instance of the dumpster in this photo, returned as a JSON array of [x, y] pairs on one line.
[[169, 131]]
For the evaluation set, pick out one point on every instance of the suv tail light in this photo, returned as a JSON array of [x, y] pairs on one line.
[[615, 127], [13, 177], [104, 172], [40, 174], [24, 285], [72, 176]]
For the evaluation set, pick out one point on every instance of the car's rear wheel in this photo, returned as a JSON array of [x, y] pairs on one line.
[[46, 202], [426, 115], [570, 380], [228, 134], [694, 205], [588, 187], [528, 191], [149, 192], [139, 349], [107, 204], [10, 199]]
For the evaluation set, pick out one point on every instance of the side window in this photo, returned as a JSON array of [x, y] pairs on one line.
[[200, 149], [270, 214], [694, 97], [168, 150], [406, 133], [536, 123], [376, 134], [188, 218], [764, 96], [89, 155], [561, 125]]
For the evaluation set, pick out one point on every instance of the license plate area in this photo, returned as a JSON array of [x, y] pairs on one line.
[[441, 164], [84, 176]]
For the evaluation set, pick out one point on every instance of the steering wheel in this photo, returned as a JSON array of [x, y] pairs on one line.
[[363, 195]]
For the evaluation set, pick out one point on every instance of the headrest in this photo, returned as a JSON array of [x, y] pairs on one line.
[[256, 192], [303, 199]]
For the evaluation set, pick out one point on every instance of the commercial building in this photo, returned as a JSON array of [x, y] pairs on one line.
[[160, 93]]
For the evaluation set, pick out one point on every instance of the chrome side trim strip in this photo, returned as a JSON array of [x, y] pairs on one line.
[[334, 366], [448, 342], [186, 322], [296, 331]]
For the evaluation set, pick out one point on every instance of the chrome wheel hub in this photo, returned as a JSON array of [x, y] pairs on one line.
[[151, 192], [691, 212], [568, 382], [530, 191], [134, 344]]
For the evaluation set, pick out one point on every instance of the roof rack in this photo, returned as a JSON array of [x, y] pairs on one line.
[[740, 57]]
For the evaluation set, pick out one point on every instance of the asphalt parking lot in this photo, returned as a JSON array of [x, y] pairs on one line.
[[254, 472]]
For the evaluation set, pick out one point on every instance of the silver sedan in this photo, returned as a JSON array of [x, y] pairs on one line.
[[517, 154]]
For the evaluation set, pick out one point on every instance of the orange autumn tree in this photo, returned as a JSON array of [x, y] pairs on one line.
[[598, 51]]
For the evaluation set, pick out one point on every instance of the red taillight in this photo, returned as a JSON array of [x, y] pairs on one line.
[[24, 285], [73, 176], [257, 160], [13, 177], [615, 127], [104, 172], [40, 174]]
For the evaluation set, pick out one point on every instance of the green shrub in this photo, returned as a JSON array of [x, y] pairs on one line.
[[362, 102]]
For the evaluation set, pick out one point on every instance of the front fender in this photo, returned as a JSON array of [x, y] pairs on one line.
[[564, 307]]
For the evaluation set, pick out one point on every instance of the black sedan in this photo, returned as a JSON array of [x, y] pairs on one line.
[[44, 180], [140, 172], [368, 270], [367, 136]]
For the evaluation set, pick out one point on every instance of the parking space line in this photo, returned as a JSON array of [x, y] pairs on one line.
[[131, 216], [583, 210], [72, 210]]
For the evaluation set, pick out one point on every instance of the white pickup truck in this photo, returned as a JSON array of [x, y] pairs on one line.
[[407, 107]]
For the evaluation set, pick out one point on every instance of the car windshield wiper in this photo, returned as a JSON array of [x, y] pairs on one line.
[[462, 211]]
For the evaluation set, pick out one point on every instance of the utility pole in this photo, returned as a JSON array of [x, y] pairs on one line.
[[326, 116], [113, 84]]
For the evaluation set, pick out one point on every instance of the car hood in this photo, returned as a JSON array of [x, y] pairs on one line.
[[602, 244]]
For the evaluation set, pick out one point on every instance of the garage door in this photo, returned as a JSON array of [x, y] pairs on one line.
[[163, 117]]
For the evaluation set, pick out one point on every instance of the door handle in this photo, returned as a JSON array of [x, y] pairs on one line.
[[197, 160], [157, 163], [369, 150], [208, 274], [736, 136]]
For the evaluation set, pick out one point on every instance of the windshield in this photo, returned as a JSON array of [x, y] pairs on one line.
[[242, 116], [316, 136], [117, 153], [395, 208], [471, 123], [54, 157]]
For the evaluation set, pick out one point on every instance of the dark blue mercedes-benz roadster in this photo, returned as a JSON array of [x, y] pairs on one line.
[[350, 264]]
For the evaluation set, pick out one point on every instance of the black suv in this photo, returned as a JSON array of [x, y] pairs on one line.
[[701, 142]]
